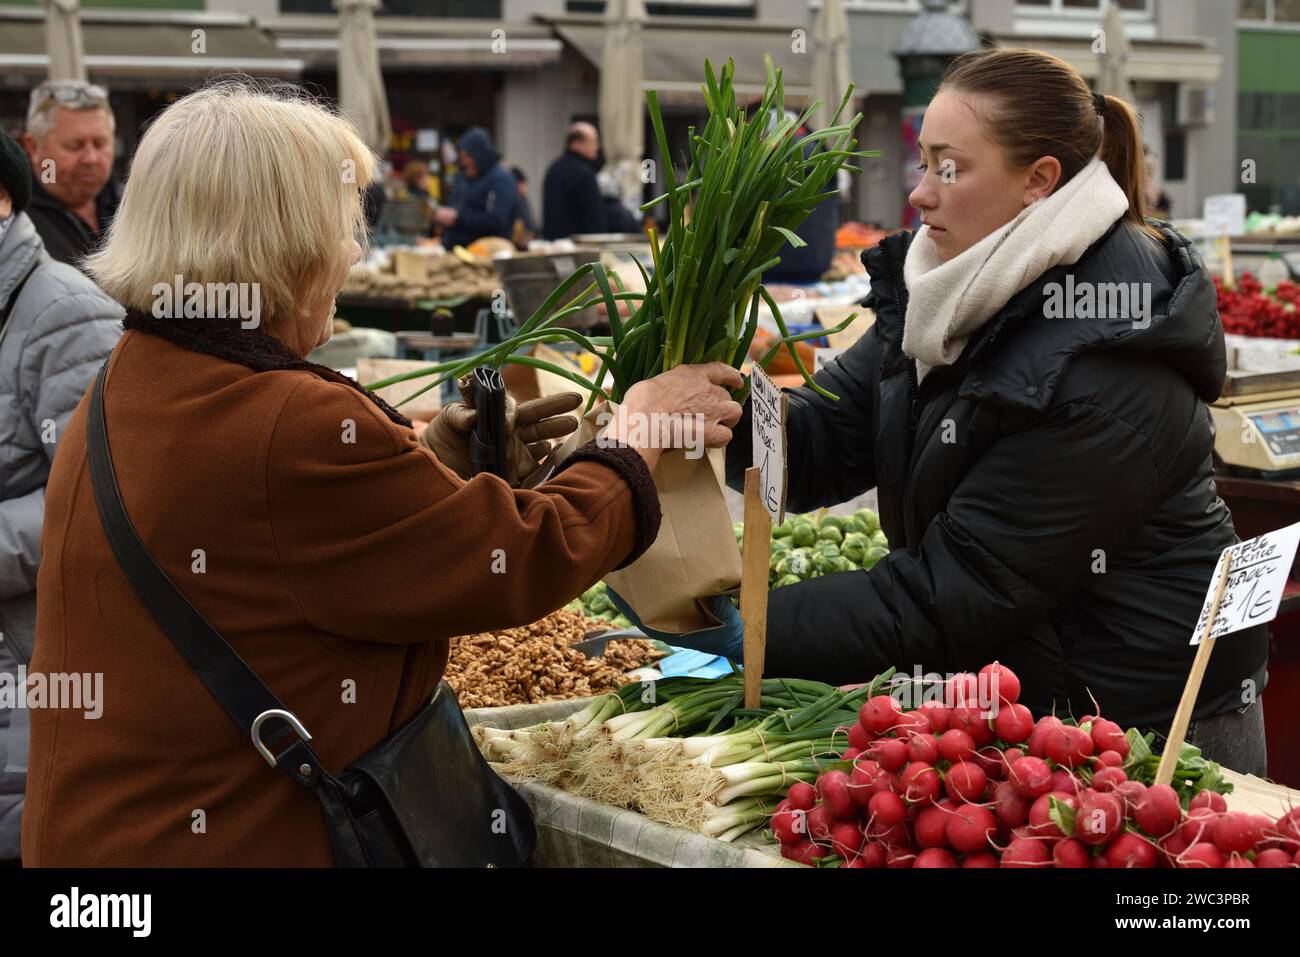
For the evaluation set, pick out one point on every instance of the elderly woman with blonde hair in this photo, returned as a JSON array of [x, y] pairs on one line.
[[293, 509]]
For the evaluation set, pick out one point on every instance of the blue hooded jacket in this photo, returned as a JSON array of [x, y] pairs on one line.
[[487, 204]]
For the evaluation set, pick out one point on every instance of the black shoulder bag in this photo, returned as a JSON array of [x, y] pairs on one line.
[[422, 797]]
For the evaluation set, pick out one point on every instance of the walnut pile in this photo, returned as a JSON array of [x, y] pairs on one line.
[[536, 663]]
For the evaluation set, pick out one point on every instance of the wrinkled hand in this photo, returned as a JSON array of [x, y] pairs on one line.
[[728, 639], [700, 395], [530, 425]]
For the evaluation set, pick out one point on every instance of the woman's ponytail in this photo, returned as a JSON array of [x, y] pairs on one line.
[[1121, 151]]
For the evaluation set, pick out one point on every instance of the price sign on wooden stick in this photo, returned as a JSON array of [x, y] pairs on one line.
[[1246, 591], [764, 503]]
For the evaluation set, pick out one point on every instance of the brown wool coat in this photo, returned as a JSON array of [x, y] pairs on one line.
[[327, 562]]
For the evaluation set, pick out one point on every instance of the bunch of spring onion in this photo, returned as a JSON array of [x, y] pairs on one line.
[[697, 758], [750, 182]]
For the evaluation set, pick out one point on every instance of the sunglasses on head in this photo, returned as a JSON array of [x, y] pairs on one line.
[[71, 95]]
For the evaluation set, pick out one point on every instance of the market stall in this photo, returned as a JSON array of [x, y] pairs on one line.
[[674, 770]]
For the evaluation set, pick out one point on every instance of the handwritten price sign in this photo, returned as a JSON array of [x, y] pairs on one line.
[[768, 421], [1253, 594]]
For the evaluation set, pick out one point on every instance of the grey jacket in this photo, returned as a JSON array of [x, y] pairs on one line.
[[59, 330]]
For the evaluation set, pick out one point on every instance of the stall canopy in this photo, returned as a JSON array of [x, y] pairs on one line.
[[1154, 62], [622, 126], [421, 43], [361, 83], [63, 40], [674, 51], [140, 44]]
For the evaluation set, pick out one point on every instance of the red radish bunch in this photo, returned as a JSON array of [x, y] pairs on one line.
[[956, 786], [1247, 310]]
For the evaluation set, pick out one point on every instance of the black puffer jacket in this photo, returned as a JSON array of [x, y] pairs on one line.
[[1069, 525]]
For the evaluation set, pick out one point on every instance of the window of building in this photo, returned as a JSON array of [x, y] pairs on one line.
[[1136, 7], [468, 9], [674, 8], [1283, 13]]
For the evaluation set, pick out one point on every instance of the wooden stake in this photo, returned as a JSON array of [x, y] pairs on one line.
[[755, 562], [1225, 253], [1183, 716]]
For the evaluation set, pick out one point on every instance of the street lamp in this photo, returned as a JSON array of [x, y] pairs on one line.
[[929, 42]]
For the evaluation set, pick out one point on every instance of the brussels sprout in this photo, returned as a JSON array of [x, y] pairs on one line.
[[843, 564], [785, 580], [830, 534], [825, 564], [855, 547], [783, 530], [829, 549], [869, 519], [874, 554], [601, 604], [803, 534], [780, 547], [831, 521]]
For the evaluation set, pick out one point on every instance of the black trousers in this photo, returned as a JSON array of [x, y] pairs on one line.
[[1234, 740]]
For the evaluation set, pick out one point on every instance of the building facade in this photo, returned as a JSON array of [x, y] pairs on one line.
[[525, 69]]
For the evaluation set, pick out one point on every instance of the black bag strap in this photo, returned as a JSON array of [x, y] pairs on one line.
[[8, 307], [237, 688]]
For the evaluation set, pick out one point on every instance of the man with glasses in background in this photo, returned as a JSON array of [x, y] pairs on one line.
[[69, 141]]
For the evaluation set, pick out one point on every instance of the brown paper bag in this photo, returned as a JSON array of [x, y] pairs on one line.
[[695, 555]]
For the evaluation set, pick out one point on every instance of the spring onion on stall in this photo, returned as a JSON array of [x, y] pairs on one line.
[[698, 759]]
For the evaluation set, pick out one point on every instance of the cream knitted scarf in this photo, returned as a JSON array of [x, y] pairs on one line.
[[949, 301]]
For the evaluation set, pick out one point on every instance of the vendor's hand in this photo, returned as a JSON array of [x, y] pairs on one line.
[[530, 426], [728, 639], [685, 392], [445, 215]]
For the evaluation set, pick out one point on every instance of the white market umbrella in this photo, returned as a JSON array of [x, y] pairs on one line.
[[63, 40], [361, 83], [830, 66], [1112, 77], [622, 124]]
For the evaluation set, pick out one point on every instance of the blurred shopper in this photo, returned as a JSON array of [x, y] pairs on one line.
[[415, 175], [69, 141], [55, 330], [484, 200], [323, 525], [571, 200], [617, 217]]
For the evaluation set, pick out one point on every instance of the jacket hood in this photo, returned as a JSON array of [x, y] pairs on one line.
[[1126, 293], [477, 142]]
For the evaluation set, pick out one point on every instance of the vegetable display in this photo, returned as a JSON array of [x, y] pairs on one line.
[[691, 755], [1247, 309], [809, 546], [750, 181], [944, 786], [852, 778], [595, 603]]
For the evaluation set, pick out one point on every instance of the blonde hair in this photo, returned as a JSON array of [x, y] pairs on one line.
[[239, 182]]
